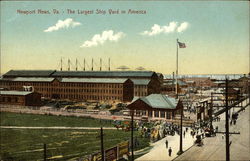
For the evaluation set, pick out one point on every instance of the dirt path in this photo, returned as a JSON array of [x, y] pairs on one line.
[[57, 128], [17, 109]]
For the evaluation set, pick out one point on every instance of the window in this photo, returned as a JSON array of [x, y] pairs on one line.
[[168, 115], [156, 114], [162, 114], [150, 113]]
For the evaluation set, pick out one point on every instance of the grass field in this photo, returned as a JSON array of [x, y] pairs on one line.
[[15, 119], [24, 144]]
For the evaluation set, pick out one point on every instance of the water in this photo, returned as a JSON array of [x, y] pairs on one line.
[[211, 76]]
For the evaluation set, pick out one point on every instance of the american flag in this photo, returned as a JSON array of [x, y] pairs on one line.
[[182, 45]]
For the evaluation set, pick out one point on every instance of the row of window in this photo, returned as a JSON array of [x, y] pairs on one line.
[[83, 97], [87, 85], [140, 93], [157, 114], [8, 99], [93, 85], [141, 87], [67, 90]]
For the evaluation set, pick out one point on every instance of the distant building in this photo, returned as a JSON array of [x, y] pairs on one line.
[[202, 82], [169, 86], [23, 98]]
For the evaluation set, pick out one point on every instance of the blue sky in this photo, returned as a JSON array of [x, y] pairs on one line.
[[217, 36]]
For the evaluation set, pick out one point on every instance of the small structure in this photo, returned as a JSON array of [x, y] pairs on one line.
[[24, 98], [156, 107], [169, 86], [204, 110]]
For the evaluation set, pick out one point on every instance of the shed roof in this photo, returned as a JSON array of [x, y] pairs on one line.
[[159, 101], [29, 73], [103, 73], [33, 79], [94, 80], [18, 93]]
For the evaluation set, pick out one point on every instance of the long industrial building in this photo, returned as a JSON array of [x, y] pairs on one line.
[[83, 85]]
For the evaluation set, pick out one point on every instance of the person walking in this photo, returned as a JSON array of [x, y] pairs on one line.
[[184, 134], [169, 151], [166, 143]]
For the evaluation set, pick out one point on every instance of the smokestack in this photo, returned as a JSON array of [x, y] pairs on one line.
[[76, 64], [92, 64], [68, 64], [84, 64], [61, 64], [100, 64], [173, 82], [109, 64]]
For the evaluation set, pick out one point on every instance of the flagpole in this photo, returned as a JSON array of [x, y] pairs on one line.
[[176, 87], [180, 150]]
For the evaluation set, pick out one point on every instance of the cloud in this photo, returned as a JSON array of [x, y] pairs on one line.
[[182, 27], [101, 38], [69, 22], [170, 28]]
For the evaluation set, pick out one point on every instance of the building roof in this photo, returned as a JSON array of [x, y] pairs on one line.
[[160, 75], [28, 73], [190, 81], [18, 93], [160, 101], [141, 81], [33, 79], [170, 82], [94, 80], [6, 79], [103, 73]]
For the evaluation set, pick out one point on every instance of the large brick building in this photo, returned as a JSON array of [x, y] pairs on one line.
[[84, 85]]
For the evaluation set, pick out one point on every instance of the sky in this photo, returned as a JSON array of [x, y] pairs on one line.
[[216, 35]]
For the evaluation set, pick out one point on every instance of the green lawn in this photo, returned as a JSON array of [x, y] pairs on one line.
[[22, 144], [15, 119]]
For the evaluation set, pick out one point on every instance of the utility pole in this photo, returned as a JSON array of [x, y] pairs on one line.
[[44, 152], [180, 147], [227, 126], [173, 82], [211, 111], [181, 150], [102, 146], [226, 110], [132, 133]]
